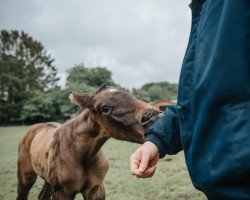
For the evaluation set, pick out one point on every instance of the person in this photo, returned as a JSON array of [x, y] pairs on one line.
[[211, 120]]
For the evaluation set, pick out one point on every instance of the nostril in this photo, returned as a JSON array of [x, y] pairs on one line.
[[149, 117], [144, 119]]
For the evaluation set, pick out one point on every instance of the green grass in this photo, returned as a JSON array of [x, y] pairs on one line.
[[171, 181]]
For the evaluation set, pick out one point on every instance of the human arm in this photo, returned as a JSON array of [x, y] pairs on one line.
[[163, 137]]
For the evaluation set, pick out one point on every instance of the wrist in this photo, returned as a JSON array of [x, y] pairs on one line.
[[157, 143], [151, 144], [152, 147]]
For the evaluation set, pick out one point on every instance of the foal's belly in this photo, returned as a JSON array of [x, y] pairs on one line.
[[41, 152]]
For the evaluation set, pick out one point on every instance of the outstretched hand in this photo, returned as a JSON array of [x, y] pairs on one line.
[[143, 160]]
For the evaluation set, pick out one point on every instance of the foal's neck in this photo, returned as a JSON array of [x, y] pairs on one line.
[[85, 135]]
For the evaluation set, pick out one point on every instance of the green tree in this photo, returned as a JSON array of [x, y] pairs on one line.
[[52, 105], [142, 94], [81, 78], [25, 67], [157, 91]]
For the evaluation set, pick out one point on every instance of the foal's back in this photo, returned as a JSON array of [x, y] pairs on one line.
[[44, 131]]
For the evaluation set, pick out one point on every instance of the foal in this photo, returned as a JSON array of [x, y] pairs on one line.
[[68, 156]]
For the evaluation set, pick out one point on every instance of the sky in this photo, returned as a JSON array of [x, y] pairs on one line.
[[140, 41]]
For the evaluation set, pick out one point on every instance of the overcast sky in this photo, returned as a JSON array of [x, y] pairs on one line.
[[140, 41]]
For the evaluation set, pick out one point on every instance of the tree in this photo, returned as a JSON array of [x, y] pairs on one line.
[[157, 91], [81, 78], [25, 67], [142, 94], [52, 105]]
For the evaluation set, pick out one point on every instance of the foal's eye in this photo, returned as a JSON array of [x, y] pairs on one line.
[[105, 109]]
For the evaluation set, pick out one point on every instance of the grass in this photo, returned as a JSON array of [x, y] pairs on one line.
[[171, 181]]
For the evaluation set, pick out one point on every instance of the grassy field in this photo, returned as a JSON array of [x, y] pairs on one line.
[[171, 181]]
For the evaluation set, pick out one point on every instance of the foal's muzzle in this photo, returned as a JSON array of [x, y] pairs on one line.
[[149, 117]]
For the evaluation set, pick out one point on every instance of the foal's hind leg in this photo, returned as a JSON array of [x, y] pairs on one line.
[[46, 192], [26, 174], [26, 179]]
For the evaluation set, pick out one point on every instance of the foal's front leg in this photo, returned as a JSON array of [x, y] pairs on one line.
[[60, 195], [95, 175], [46, 192], [95, 193]]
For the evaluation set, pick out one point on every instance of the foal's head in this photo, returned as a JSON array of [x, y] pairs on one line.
[[118, 113]]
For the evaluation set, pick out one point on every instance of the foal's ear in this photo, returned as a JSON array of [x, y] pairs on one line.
[[81, 99]]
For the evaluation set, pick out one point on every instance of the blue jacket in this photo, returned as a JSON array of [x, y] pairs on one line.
[[211, 121]]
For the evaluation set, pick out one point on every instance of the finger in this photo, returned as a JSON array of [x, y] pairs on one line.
[[154, 161], [149, 175], [139, 174], [144, 162], [146, 174], [134, 162], [151, 170]]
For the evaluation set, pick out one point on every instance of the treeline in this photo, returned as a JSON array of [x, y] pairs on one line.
[[151, 92], [29, 91]]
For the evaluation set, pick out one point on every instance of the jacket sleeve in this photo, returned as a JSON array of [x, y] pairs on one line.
[[165, 132]]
